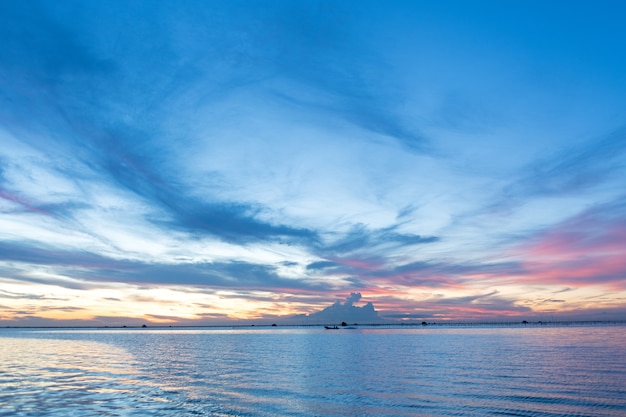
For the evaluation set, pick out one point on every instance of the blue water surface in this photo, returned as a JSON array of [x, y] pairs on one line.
[[483, 371]]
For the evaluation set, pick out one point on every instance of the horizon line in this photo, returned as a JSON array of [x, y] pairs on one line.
[[522, 323]]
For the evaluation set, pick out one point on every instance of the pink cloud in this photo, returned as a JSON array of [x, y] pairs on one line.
[[22, 202], [586, 250]]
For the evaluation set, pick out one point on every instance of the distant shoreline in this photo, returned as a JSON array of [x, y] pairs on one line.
[[474, 324]]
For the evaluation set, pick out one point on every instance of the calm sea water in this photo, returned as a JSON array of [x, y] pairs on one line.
[[532, 371]]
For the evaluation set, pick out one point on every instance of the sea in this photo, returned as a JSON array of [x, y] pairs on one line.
[[480, 370]]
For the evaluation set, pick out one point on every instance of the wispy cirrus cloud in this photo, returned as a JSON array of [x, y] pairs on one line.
[[576, 169], [595, 165], [473, 307]]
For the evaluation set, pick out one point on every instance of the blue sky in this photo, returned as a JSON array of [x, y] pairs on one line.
[[202, 162]]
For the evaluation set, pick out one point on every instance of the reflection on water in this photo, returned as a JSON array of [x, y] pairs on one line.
[[314, 372], [71, 377]]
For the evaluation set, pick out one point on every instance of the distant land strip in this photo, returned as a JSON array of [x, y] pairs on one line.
[[443, 324]]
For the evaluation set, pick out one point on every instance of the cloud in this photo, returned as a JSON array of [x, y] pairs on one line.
[[587, 249], [125, 153], [232, 222], [488, 306], [84, 270], [321, 265], [579, 168], [360, 238], [26, 296], [440, 273], [335, 71], [346, 312], [22, 203], [598, 162], [352, 299]]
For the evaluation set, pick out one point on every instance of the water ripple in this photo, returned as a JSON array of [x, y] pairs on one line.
[[308, 372]]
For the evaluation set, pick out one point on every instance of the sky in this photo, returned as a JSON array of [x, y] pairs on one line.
[[208, 162]]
